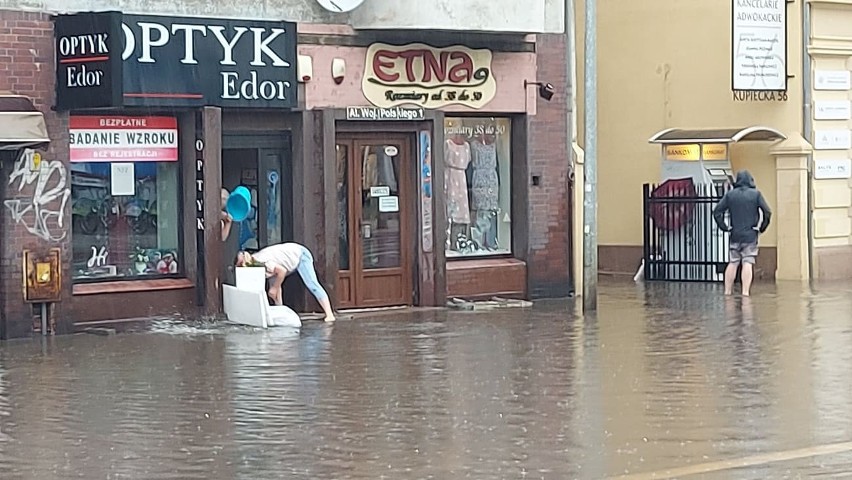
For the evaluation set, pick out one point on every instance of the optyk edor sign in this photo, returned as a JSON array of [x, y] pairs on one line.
[[167, 61], [88, 61]]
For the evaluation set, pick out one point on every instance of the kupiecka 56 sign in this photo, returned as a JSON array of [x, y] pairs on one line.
[[123, 139], [144, 60]]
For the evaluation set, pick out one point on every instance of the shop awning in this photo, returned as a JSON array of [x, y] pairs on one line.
[[718, 135], [21, 124]]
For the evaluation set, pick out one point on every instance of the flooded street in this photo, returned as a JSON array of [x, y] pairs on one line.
[[668, 381]]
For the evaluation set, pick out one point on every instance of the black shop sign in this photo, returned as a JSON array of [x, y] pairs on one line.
[[110, 59], [88, 60]]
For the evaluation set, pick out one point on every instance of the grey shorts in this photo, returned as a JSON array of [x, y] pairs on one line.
[[743, 252]]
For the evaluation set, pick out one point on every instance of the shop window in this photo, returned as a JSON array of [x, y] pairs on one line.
[[125, 215], [477, 185]]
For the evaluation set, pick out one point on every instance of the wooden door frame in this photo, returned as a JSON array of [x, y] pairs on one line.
[[269, 141], [346, 276], [430, 282], [407, 185]]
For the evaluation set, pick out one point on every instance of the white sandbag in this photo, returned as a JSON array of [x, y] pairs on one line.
[[283, 316], [245, 307]]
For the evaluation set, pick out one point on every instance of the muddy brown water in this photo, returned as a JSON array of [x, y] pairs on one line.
[[665, 376]]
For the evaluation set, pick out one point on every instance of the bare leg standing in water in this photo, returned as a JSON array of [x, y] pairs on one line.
[[743, 254]]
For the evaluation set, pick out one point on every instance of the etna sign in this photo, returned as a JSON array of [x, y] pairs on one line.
[[167, 61]]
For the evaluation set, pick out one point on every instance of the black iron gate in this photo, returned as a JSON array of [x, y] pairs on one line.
[[681, 241]]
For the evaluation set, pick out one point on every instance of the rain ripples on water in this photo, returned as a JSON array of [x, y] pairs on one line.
[[664, 376]]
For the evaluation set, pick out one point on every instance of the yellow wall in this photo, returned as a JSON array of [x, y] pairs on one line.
[[667, 64], [831, 49]]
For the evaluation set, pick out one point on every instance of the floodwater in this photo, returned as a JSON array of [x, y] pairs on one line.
[[667, 381]]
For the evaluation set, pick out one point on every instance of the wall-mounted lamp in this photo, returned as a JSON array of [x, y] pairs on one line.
[[545, 90], [305, 68], [338, 70]]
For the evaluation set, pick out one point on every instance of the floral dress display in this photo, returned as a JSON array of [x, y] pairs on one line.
[[457, 159], [485, 182]]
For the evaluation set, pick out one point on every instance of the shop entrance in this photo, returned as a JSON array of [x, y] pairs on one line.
[[262, 164], [375, 215]]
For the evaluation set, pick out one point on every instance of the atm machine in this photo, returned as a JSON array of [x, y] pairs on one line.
[[705, 164], [699, 239], [696, 249]]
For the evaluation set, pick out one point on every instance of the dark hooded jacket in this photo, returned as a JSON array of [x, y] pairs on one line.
[[744, 203]]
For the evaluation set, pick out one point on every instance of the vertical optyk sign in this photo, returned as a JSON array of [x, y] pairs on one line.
[[759, 45], [88, 60], [201, 287]]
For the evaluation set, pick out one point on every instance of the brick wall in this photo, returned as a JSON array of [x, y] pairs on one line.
[[27, 68], [549, 216]]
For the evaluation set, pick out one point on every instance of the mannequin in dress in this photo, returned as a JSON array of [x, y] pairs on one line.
[[456, 159], [485, 190]]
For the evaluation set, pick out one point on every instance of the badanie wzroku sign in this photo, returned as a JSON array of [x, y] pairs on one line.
[[110, 59], [426, 76]]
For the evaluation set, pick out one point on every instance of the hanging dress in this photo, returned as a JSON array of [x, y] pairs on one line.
[[457, 159]]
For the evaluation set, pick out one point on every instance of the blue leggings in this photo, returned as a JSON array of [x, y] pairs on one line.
[[309, 275]]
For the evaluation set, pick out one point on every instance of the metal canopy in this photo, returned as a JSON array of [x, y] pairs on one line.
[[718, 135], [21, 124]]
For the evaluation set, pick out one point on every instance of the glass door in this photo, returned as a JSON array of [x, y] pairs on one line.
[[345, 283], [376, 243]]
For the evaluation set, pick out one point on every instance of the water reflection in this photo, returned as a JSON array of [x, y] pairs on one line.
[[663, 376]]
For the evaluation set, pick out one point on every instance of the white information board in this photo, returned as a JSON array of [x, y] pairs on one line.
[[759, 43]]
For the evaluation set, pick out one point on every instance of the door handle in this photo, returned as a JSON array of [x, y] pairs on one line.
[[366, 230]]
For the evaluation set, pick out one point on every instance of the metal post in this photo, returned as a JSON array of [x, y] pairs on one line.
[[44, 319], [571, 74], [590, 198]]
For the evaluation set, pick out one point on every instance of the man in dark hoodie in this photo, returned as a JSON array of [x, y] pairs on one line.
[[745, 204]]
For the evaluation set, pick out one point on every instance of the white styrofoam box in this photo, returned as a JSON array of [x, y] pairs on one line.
[[245, 307], [251, 278], [283, 316]]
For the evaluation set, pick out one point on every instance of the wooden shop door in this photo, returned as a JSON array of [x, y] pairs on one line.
[[375, 208]]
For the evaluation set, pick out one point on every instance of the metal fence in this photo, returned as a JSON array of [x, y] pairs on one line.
[[681, 241]]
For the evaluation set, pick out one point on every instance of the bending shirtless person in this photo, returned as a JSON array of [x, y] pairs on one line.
[[283, 259]]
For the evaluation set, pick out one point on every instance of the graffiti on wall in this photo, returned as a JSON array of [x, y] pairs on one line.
[[42, 191]]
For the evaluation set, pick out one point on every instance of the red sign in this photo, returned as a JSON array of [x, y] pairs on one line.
[[123, 139]]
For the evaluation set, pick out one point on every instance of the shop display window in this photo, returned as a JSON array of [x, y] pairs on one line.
[[477, 186], [125, 220]]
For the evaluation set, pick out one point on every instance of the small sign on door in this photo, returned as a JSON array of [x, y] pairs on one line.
[[376, 192], [122, 179], [389, 204]]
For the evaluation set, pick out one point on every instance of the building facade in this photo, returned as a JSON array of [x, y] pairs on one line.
[[417, 165], [677, 73]]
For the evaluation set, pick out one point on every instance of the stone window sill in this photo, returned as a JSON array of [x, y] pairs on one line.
[[130, 286]]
